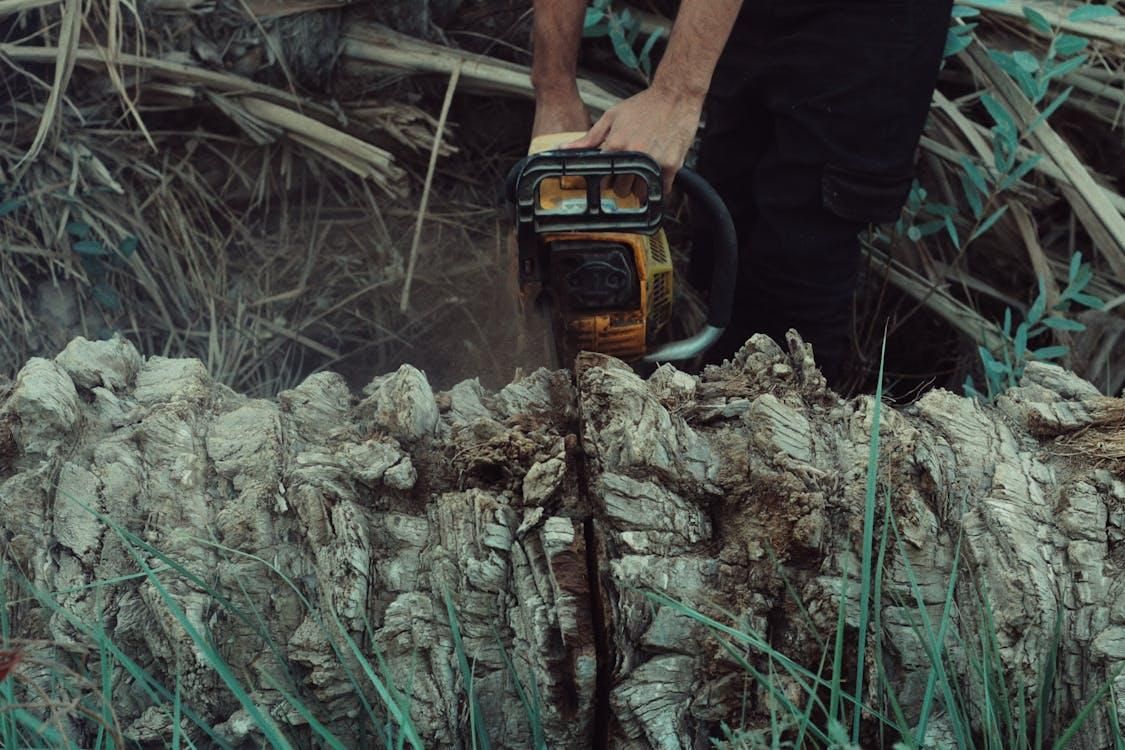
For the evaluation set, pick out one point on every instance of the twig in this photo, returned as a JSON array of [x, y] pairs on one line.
[[438, 135]]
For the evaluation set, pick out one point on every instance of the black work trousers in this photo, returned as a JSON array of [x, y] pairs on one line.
[[811, 127]]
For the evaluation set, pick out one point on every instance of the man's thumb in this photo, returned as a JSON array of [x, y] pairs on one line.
[[594, 136]]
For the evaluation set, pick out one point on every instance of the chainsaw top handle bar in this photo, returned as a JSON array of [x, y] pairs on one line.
[[521, 190]]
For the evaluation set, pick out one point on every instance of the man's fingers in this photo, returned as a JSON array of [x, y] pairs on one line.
[[594, 136], [669, 179]]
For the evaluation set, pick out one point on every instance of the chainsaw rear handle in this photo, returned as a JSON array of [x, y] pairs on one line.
[[520, 190]]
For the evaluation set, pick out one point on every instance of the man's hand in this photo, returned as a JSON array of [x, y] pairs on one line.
[[658, 121], [661, 120]]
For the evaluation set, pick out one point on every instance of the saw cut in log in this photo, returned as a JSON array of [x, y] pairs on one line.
[[370, 556]]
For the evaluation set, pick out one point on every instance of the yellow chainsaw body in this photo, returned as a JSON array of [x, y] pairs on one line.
[[626, 332]]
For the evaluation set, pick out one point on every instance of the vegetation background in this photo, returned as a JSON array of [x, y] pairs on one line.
[[282, 187]]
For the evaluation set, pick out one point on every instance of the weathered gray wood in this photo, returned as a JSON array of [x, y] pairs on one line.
[[543, 509]]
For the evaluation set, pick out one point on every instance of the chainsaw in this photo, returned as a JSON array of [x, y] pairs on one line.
[[591, 249]]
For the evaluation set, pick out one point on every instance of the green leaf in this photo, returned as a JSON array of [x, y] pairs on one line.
[[974, 174], [1008, 148], [941, 209], [79, 229], [1036, 19], [972, 195], [1091, 12], [632, 28], [964, 11], [10, 205], [990, 363], [1069, 44], [128, 246], [999, 115], [1006, 61], [1021, 171], [1050, 352], [1089, 300], [621, 45], [91, 248], [955, 42], [1080, 280], [1039, 306], [1021, 342], [931, 227], [987, 224], [1075, 264], [646, 51], [949, 226], [1063, 324], [594, 16], [1066, 66], [1050, 110], [1007, 321], [1029, 85], [914, 233], [106, 295], [1026, 61]]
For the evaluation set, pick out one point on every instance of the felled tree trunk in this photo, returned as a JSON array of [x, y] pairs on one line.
[[544, 511]]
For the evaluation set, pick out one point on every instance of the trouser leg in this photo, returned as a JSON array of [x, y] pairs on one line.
[[847, 87]]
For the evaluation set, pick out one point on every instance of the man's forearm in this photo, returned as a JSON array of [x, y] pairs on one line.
[[556, 36], [698, 36]]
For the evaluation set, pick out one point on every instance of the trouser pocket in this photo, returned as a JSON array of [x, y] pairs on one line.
[[864, 197]]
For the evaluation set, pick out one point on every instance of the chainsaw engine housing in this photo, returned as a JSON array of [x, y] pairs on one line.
[[590, 249], [610, 292], [589, 245]]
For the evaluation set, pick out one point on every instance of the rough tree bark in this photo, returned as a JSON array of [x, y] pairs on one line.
[[544, 509]]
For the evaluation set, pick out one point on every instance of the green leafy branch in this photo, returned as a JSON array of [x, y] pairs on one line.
[[624, 32], [1004, 369], [98, 260]]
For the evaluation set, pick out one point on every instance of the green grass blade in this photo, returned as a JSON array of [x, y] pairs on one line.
[[177, 711], [902, 726], [1047, 683], [322, 731], [770, 686], [151, 687], [1072, 729], [838, 649], [806, 719], [1115, 722], [7, 686], [538, 739], [392, 706], [868, 540], [479, 733], [45, 732], [796, 599], [315, 612], [105, 663], [264, 723], [934, 648], [805, 679], [939, 646]]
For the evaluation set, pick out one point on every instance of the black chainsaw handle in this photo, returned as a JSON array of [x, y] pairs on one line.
[[725, 273]]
